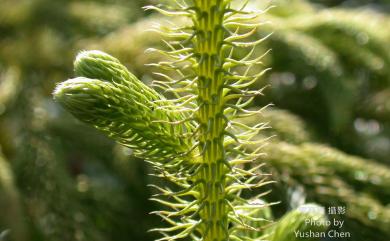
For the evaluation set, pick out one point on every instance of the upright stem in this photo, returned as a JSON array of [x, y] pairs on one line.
[[208, 51]]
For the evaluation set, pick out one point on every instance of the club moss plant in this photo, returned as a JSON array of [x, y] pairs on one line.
[[195, 139]]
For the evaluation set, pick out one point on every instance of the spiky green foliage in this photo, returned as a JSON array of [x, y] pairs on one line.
[[215, 94], [46, 147]]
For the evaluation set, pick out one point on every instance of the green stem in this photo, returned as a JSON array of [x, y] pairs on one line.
[[208, 49]]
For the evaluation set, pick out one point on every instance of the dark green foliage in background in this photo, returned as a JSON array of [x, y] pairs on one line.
[[330, 83]]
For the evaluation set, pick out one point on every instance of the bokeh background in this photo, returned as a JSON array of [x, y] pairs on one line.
[[329, 83]]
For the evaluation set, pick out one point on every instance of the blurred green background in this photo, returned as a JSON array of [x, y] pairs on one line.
[[329, 83]]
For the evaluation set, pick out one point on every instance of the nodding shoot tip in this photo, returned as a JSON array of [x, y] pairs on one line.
[[107, 96]]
